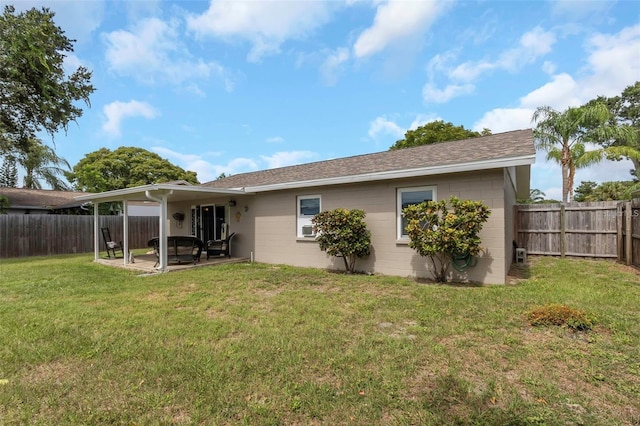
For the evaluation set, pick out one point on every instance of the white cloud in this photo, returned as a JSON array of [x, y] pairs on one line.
[[432, 94], [275, 139], [505, 119], [205, 170], [461, 78], [118, 111], [612, 65], [79, 19], [281, 159], [381, 127], [396, 21], [153, 53], [562, 91], [422, 119], [549, 67], [614, 62], [572, 9], [333, 64], [384, 130], [265, 24]]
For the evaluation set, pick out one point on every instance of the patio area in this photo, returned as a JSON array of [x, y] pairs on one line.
[[145, 263]]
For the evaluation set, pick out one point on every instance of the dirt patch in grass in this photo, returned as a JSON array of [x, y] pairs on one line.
[[54, 372]]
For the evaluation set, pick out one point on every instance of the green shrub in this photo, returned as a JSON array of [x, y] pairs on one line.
[[443, 235], [560, 315], [343, 233]]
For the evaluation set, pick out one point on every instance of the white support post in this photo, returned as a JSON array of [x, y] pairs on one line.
[[164, 255], [125, 231], [96, 231]]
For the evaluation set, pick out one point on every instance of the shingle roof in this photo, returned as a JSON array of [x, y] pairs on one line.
[[39, 198], [512, 144]]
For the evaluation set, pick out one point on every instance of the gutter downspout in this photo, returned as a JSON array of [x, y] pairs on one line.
[[164, 258]]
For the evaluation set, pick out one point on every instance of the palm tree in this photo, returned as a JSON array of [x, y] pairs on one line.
[[40, 162], [564, 135]]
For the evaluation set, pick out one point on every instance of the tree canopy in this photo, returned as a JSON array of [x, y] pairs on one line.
[[35, 92], [434, 132], [605, 191], [625, 111], [125, 167], [564, 135]]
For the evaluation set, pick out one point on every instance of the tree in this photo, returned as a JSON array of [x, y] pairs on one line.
[[446, 236], [564, 134], [625, 111], [4, 204], [343, 233], [434, 132], [9, 172], [125, 167], [535, 196], [584, 191], [41, 163], [35, 92], [606, 191]]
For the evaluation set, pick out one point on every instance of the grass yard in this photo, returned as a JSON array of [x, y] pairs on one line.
[[260, 344]]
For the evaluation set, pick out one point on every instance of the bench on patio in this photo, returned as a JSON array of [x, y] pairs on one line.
[[180, 248]]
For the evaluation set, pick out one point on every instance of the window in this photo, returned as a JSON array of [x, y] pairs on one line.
[[409, 196], [308, 206]]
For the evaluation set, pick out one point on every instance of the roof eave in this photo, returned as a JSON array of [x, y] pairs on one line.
[[120, 194], [400, 174]]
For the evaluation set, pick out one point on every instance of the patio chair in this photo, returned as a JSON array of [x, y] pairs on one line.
[[112, 246], [220, 247]]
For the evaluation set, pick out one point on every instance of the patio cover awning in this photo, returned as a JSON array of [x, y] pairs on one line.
[[160, 193]]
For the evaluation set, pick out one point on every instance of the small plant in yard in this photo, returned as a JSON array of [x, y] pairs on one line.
[[343, 233], [445, 235], [560, 315]]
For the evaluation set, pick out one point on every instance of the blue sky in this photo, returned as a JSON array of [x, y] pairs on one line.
[[230, 87]]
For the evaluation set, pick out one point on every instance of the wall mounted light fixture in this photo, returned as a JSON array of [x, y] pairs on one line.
[[232, 202]]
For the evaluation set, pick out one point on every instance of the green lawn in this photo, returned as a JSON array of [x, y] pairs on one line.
[[259, 344]]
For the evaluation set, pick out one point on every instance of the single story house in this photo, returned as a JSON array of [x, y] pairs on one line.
[[270, 211], [41, 201], [49, 201]]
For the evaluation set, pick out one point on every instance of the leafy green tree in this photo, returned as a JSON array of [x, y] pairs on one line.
[[625, 110], [535, 196], [9, 172], [40, 163], [36, 94], [434, 132], [4, 204], [564, 134], [125, 167], [606, 191], [584, 191], [343, 233], [445, 236]]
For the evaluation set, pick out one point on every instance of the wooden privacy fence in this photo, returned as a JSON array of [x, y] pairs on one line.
[[591, 229], [43, 235], [629, 232]]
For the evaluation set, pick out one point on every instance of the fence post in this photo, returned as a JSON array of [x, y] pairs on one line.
[[619, 228], [628, 242], [563, 219]]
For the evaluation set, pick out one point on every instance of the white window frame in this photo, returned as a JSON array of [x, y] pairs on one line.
[[305, 219], [434, 197]]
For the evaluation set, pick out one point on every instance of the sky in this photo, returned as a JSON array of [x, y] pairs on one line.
[[237, 86]]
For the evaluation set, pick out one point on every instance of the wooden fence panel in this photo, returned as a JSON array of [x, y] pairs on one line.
[[635, 232], [44, 235], [589, 229]]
